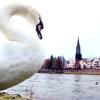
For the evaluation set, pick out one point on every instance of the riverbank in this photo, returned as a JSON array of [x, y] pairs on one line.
[[83, 71], [6, 96], [72, 71]]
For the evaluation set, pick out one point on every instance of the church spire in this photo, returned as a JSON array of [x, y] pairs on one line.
[[78, 48], [78, 43]]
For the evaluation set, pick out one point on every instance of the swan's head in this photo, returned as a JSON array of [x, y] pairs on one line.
[[39, 27]]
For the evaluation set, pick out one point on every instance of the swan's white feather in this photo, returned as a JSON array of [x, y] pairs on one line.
[[21, 58]]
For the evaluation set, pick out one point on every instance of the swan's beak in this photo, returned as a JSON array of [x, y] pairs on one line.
[[39, 27]]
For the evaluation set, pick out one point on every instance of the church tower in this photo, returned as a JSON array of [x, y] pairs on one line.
[[78, 55]]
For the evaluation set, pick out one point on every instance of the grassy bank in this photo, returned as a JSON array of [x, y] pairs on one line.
[[5, 96], [85, 71]]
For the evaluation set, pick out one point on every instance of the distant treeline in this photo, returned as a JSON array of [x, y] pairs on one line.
[[54, 63]]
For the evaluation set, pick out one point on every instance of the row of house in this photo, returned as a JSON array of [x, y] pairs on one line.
[[85, 63]]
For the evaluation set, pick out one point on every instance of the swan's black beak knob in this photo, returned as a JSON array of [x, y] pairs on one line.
[[39, 27]]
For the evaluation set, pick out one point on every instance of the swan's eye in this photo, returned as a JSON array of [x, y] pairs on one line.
[[39, 27]]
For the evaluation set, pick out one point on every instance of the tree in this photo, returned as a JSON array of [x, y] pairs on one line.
[[51, 61], [58, 63]]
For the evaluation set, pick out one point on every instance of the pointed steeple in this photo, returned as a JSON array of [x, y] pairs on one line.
[[78, 50], [78, 43], [78, 55]]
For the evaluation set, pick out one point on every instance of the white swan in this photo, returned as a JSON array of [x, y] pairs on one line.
[[25, 57]]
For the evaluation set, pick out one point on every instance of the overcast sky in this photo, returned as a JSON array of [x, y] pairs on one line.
[[64, 21]]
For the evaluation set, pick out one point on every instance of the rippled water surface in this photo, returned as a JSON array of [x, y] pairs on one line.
[[59, 87]]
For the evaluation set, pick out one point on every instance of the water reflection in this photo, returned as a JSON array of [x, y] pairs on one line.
[[59, 87]]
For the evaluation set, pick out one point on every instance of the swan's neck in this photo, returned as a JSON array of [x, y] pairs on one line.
[[25, 11], [22, 10]]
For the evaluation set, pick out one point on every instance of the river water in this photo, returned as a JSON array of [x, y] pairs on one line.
[[59, 87]]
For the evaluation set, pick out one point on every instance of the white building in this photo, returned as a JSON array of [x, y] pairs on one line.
[[71, 63], [96, 63]]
